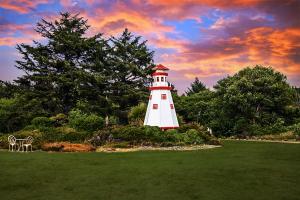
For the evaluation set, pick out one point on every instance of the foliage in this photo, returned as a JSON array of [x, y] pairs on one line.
[[148, 135], [253, 96], [296, 128], [70, 70], [13, 116], [42, 122], [85, 122], [254, 101], [137, 114], [59, 119], [131, 62], [196, 87]]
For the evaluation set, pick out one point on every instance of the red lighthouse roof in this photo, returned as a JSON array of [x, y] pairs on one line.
[[160, 67]]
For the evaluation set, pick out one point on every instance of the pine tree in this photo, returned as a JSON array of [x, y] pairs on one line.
[[131, 63], [196, 87], [60, 70]]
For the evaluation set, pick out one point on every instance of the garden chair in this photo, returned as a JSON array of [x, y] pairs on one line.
[[28, 143], [12, 142]]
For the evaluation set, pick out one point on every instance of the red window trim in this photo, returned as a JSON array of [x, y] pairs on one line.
[[172, 106], [155, 106], [163, 96]]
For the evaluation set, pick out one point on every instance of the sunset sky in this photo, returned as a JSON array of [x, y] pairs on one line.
[[209, 39]]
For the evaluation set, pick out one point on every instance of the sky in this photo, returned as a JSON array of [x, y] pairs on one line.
[[208, 39]]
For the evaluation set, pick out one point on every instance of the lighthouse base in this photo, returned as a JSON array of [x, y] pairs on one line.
[[161, 110]]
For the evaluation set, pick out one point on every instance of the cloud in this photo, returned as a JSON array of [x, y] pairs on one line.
[[21, 6], [231, 34]]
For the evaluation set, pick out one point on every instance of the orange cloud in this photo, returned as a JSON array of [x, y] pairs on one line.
[[11, 41], [21, 6]]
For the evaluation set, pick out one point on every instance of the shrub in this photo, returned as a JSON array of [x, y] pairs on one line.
[[71, 135], [148, 135], [84, 122], [193, 137], [59, 119], [50, 134], [92, 123], [153, 134], [296, 128], [137, 113], [39, 122], [202, 131], [129, 133], [113, 120]]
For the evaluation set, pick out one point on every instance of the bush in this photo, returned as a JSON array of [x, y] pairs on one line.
[[51, 134], [92, 123], [137, 114], [84, 122], [59, 119], [296, 128], [39, 122], [129, 133], [149, 135], [192, 136], [113, 120], [153, 133], [202, 131]]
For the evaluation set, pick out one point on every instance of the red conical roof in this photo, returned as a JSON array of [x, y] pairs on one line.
[[160, 67]]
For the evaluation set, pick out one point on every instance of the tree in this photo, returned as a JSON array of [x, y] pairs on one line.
[[254, 97], [196, 86], [131, 65], [7, 90], [60, 72], [196, 107]]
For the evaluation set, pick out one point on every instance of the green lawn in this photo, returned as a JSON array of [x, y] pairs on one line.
[[239, 170]]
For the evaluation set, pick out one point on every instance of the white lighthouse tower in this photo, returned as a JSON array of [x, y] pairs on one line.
[[161, 110]]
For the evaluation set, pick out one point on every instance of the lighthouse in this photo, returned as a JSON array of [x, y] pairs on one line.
[[161, 110]]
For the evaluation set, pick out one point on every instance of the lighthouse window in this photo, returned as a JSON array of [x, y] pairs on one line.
[[163, 96], [172, 106], [155, 106], [150, 97], [162, 79], [157, 79]]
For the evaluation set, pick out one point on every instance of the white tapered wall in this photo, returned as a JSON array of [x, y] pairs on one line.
[[163, 116]]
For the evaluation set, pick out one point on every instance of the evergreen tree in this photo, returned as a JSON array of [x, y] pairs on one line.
[[60, 70], [131, 64], [196, 87]]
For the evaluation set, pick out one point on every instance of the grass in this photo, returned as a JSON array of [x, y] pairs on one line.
[[239, 170]]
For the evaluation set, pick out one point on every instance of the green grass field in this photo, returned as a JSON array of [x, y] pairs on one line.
[[239, 170]]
